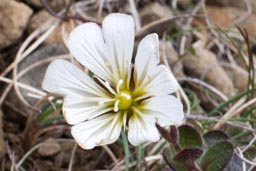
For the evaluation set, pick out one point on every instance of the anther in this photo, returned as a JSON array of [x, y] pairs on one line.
[[116, 106], [120, 82]]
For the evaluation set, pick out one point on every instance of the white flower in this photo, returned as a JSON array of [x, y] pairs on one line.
[[122, 94]]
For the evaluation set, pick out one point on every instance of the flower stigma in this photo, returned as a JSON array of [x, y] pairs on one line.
[[123, 100]]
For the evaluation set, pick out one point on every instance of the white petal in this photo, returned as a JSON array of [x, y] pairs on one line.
[[166, 109], [62, 77], [77, 109], [150, 77], [142, 129], [102, 130], [147, 57], [118, 30], [87, 45], [162, 82]]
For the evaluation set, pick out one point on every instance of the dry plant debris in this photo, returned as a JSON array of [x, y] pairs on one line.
[[209, 45]]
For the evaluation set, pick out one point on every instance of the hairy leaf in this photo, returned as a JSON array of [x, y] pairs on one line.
[[217, 157]]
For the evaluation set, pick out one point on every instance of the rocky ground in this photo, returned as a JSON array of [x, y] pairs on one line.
[[199, 41]]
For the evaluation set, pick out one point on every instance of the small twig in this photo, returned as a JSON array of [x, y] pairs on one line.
[[229, 113], [145, 164], [72, 158], [234, 113], [63, 15], [27, 154], [24, 86], [214, 119], [51, 12], [100, 8], [245, 159], [11, 156], [241, 155], [135, 15], [43, 29], [21, 73], [204, 84], [249, 144], [18, 59], [249, 11], [110, 153], [34, 148]]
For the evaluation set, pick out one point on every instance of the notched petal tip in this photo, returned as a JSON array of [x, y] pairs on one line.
[[118, 16], [80, 29]]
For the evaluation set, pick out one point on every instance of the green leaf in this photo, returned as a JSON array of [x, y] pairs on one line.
[[213, 137], [188, 154], [47, 112], [168, 157], [188, 157], [189, 137], [217, 157]]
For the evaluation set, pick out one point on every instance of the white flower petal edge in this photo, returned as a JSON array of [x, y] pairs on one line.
[[77, 109], [142, 129], [166, 109], [147, 57], [118, 30], [86, 44], [62, 77], [107, 52], [102, 130], [149, 75], [82, 94]]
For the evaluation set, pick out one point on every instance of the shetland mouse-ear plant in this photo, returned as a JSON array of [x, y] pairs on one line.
[[191, 151], [122, 95]]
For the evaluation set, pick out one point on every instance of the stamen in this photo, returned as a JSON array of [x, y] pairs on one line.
[[110, 88], [107, 85], [102, 102], [120, 82], [116, 106]]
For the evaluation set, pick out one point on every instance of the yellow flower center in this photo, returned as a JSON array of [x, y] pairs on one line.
[[124, 99]]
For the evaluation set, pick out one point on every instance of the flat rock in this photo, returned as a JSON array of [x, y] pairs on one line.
[[240, 79], [153, 12], [204, 65], [37, 20], [14, 17], [34, 77], [231, 14], [55, 5], [240, 4], [49, 148]]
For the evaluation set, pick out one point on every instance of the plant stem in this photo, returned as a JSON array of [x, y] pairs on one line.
[[126, 150], [139, 156]]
